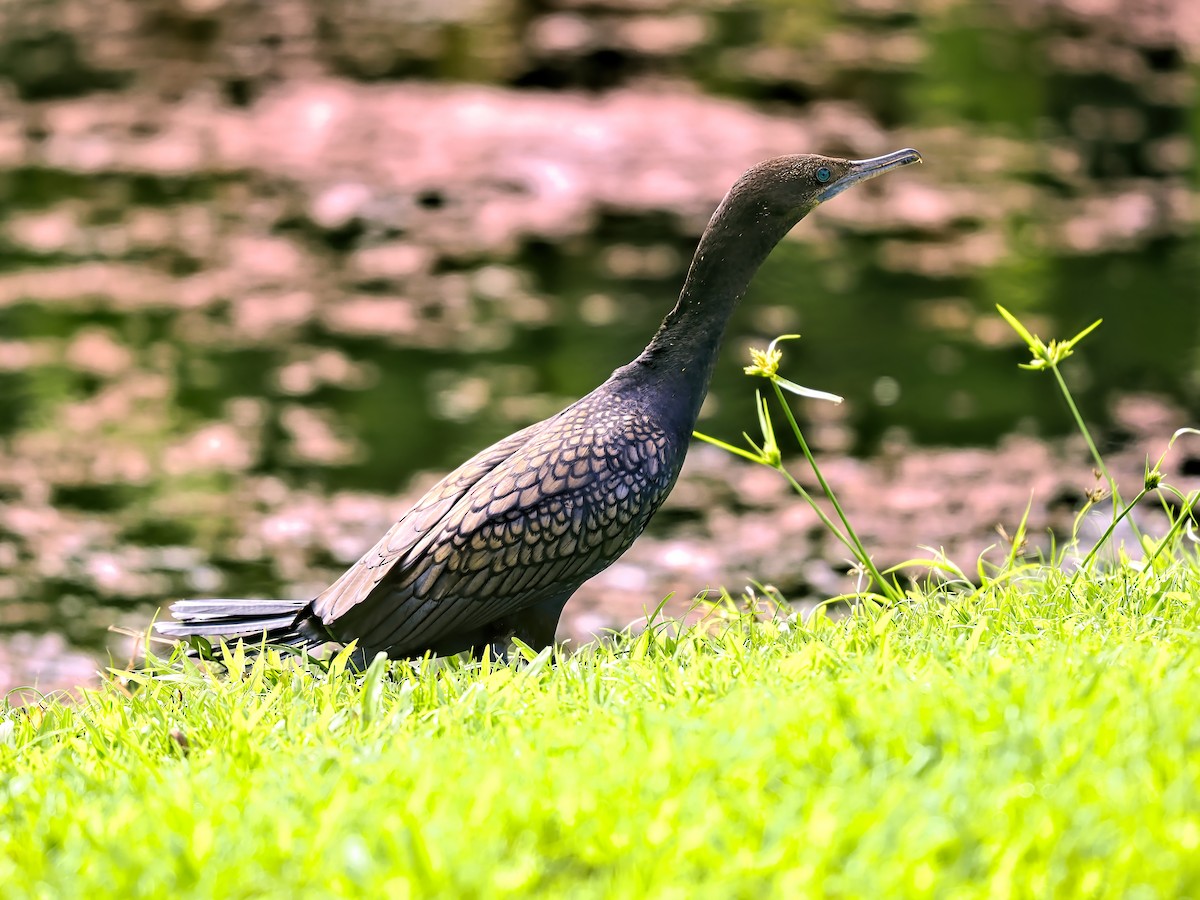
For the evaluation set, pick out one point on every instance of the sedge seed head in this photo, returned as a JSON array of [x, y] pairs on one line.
[[764, 362]]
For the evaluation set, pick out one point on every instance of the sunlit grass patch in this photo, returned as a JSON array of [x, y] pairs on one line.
[[1030, 739]]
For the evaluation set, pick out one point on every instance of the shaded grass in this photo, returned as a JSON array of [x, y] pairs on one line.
[[1026, 739]]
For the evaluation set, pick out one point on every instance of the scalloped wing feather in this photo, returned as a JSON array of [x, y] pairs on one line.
[[559, 507]]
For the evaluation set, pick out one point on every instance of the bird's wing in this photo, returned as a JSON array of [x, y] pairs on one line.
[[560, 508], [360, 579]]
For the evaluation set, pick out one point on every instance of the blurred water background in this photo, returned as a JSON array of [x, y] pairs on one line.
[[266, 269]]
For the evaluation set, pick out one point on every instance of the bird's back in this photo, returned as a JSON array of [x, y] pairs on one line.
[[520, 524]]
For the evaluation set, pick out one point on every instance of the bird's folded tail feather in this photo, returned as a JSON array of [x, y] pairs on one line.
[[278, 620]]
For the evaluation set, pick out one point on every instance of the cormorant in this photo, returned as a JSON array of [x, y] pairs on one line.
[[497, 547]]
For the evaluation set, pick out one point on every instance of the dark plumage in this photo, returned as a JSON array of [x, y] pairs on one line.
[[495, 549]]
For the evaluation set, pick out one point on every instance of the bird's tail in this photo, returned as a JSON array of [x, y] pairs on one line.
[[276, 621]]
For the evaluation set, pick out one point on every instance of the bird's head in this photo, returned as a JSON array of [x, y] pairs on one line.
[[760, 208], [790, 187]]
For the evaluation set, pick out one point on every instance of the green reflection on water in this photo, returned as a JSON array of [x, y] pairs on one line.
[[859, 323]]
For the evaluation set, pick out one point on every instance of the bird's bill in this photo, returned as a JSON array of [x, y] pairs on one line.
[[866, 169]]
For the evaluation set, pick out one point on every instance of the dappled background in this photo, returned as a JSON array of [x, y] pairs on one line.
[[267, 269]]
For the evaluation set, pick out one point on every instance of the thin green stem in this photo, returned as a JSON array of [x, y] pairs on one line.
[[1107, 534], [821, 514], [1083, 429], [1184, 514], [778, 467], [1099, 460], [853, 543], [730, 448]]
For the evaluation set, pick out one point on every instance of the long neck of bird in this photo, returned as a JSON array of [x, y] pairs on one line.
[[681, 355]]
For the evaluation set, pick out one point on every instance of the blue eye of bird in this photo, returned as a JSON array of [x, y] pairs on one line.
[[823, 174]]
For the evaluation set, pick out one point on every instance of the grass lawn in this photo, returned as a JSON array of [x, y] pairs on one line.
[[1027, 739]]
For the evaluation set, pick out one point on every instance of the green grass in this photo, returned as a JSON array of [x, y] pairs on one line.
[[1027, 739]]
